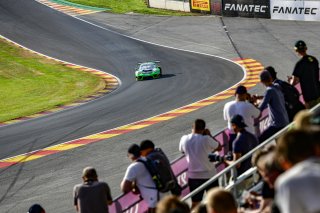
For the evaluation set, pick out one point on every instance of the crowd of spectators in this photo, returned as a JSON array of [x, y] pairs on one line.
[[289, 168]]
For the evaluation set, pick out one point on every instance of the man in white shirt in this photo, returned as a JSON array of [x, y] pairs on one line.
[[242, 107], [138, 178], [196, 146], [297, 190]]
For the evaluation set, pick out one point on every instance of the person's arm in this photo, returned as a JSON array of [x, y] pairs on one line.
[[293, 80], [181, 145], [265, 100], [236, 156], [126, 186], [75, 198], [218, 146], [108, 192]]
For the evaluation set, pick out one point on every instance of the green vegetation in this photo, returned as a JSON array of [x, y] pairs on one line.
[[31, 84], [126, 6]]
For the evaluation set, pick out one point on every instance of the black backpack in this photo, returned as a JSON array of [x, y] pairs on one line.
[[291, 96], [160, 170]]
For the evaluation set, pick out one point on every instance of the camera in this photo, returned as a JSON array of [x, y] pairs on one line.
[[218, 158]]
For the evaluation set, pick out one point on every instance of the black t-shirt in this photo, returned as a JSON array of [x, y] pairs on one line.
[[267, 192], [244, 142], [307, 70]]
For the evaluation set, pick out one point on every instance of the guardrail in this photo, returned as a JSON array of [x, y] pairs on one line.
[[249, 173], [132, 203]]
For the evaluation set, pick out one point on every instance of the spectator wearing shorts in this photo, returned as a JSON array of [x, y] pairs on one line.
[[306, 71], [92, 196], [138, 179], [196, 146]]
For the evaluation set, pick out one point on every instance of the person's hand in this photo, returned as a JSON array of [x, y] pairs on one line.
[[207, 132]]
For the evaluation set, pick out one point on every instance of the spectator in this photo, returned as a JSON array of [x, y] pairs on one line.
[[172, 204], [242, 107], [147, 149], [306, 71], [137, 177], [196, 146], [297, 189], [36, 208], [265, 162], [220, 201], [92, 196], [274, 100], [244, 142], [200, 208], [291, 94]]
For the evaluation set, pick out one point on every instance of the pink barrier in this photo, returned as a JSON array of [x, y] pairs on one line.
[[132, 203]]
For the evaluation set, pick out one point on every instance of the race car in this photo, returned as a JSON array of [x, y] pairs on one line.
[[149, 69]]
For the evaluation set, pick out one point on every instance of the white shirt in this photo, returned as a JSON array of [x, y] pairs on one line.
[[196, 147], [247, 110], [138, 172], [298, 189]]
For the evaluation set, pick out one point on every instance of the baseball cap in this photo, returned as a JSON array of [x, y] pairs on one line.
[[241, 90], [300, 45], [265, 76], [134, 149], [238, 120], [36, 208]]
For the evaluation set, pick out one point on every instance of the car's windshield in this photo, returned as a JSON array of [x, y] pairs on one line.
[[148, 66]]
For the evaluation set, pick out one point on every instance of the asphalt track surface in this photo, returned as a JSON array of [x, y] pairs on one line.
[[49, 180]]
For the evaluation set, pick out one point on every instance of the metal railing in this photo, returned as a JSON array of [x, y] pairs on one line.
[[245, 175]]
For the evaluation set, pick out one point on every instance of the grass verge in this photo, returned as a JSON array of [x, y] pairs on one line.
[[126, 6], [31, 84]]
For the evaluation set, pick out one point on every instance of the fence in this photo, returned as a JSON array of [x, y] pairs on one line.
[[132, 203]]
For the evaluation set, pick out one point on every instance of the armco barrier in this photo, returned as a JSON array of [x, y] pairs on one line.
[[132, 203], [178, 5]]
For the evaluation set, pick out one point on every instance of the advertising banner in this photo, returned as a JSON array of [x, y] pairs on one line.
[[200, 5], [246, 8], [295, 10]]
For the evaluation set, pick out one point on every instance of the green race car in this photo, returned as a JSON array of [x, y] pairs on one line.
[[148, 70]]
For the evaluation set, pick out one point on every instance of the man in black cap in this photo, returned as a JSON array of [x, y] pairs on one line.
[[243, 107], [244, 142], [273, 99], [291, 94], [306, 71]]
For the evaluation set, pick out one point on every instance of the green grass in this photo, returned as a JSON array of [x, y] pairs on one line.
[[31, 84], [126, 6]]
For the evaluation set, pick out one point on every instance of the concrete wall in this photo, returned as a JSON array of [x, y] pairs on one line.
[[171, 5]]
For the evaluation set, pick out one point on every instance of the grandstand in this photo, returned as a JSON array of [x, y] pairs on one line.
[[132, 203]]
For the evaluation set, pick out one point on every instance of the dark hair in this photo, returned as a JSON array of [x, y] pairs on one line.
[[134, 149], [36, 208], [146, 144], [272, 72], [199, 125]]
